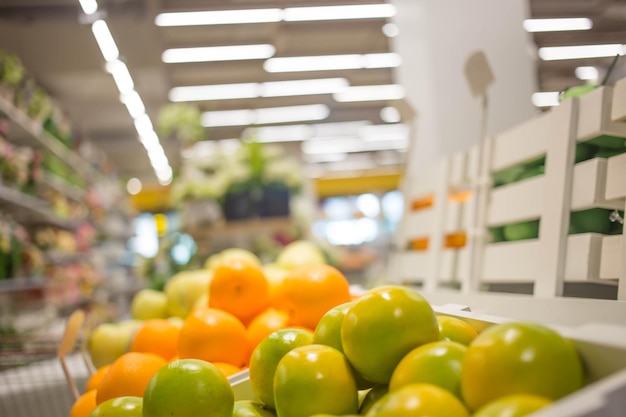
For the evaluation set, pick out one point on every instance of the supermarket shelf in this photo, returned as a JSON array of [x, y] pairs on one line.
[[62, 186], [25, 131], [59, 258], [30, 210], [21, 284], [246, 227]]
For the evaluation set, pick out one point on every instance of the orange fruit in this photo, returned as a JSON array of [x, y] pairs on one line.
[[314, 379], [189, 387], [266, 356], [84, 404], [158, 336], [519, 358], [239, 287], [129, 375], [418, 400], [437, 363], [382, 326], [264, 324], [308, 292], [518, 405], [96, 378], [455, 330], [213, 335], [227, 369]]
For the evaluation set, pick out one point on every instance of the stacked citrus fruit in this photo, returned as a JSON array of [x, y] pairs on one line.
[[312, 348], [247, 302]]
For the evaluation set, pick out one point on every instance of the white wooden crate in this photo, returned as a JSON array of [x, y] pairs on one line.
[[555, 257], [435, 265]]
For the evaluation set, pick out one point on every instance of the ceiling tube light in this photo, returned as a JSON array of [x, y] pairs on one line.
[[121, 76], [143, 125], [586, 73], [105, 40], [303, 87], [288, 133], [331, 62], [133, 103], [265, 116], [218, 53], [390, 114], [291, 114], [227, 118], [370, 93], [148, 139], [553, 53], [219, 17], [214, 92], [557, 25], [88, 6], [545, 99], [358, 11], [386, 60], [391, 30]]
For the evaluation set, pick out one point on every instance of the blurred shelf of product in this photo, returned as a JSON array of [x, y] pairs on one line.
[[61, 206]]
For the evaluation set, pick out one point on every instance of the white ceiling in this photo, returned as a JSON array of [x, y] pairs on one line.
[[62, 54]]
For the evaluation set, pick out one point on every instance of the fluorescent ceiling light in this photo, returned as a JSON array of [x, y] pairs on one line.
[[214, 92], [545, 99], [294, 133], [332, 62], [557, 25], [105, 40], [292, 14], [357, 11], [552, 53], [348, 145], [143, 125], [303, 87], [390, 132], [219, 17], [265, 116], [133, 103], [121, 76], [89, 6], [391, 30], [586, 73], [149, 139], [321, 158], [218, 53], [289, 133], [390, 114], [370, 93]]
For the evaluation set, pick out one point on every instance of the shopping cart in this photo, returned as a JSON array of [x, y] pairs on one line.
[[33, 382]]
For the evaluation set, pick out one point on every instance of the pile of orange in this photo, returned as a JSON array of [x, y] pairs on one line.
[[243, 309]]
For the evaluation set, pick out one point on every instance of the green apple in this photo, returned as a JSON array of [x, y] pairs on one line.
[[300, 253], [585, 151], [608, 153], [149, 304], [507, 176], [497, 234], [608, 141], [521, 230], [109, 341], [119, 407], [594, 220], [232, 253], [184, 289]]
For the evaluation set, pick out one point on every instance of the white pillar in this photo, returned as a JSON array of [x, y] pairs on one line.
[[436, 37]]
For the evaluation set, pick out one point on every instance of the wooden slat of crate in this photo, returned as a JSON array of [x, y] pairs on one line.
[[616, 178], [594, 117], [618, 109]]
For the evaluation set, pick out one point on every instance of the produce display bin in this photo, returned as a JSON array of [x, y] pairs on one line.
[[602, 348]]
